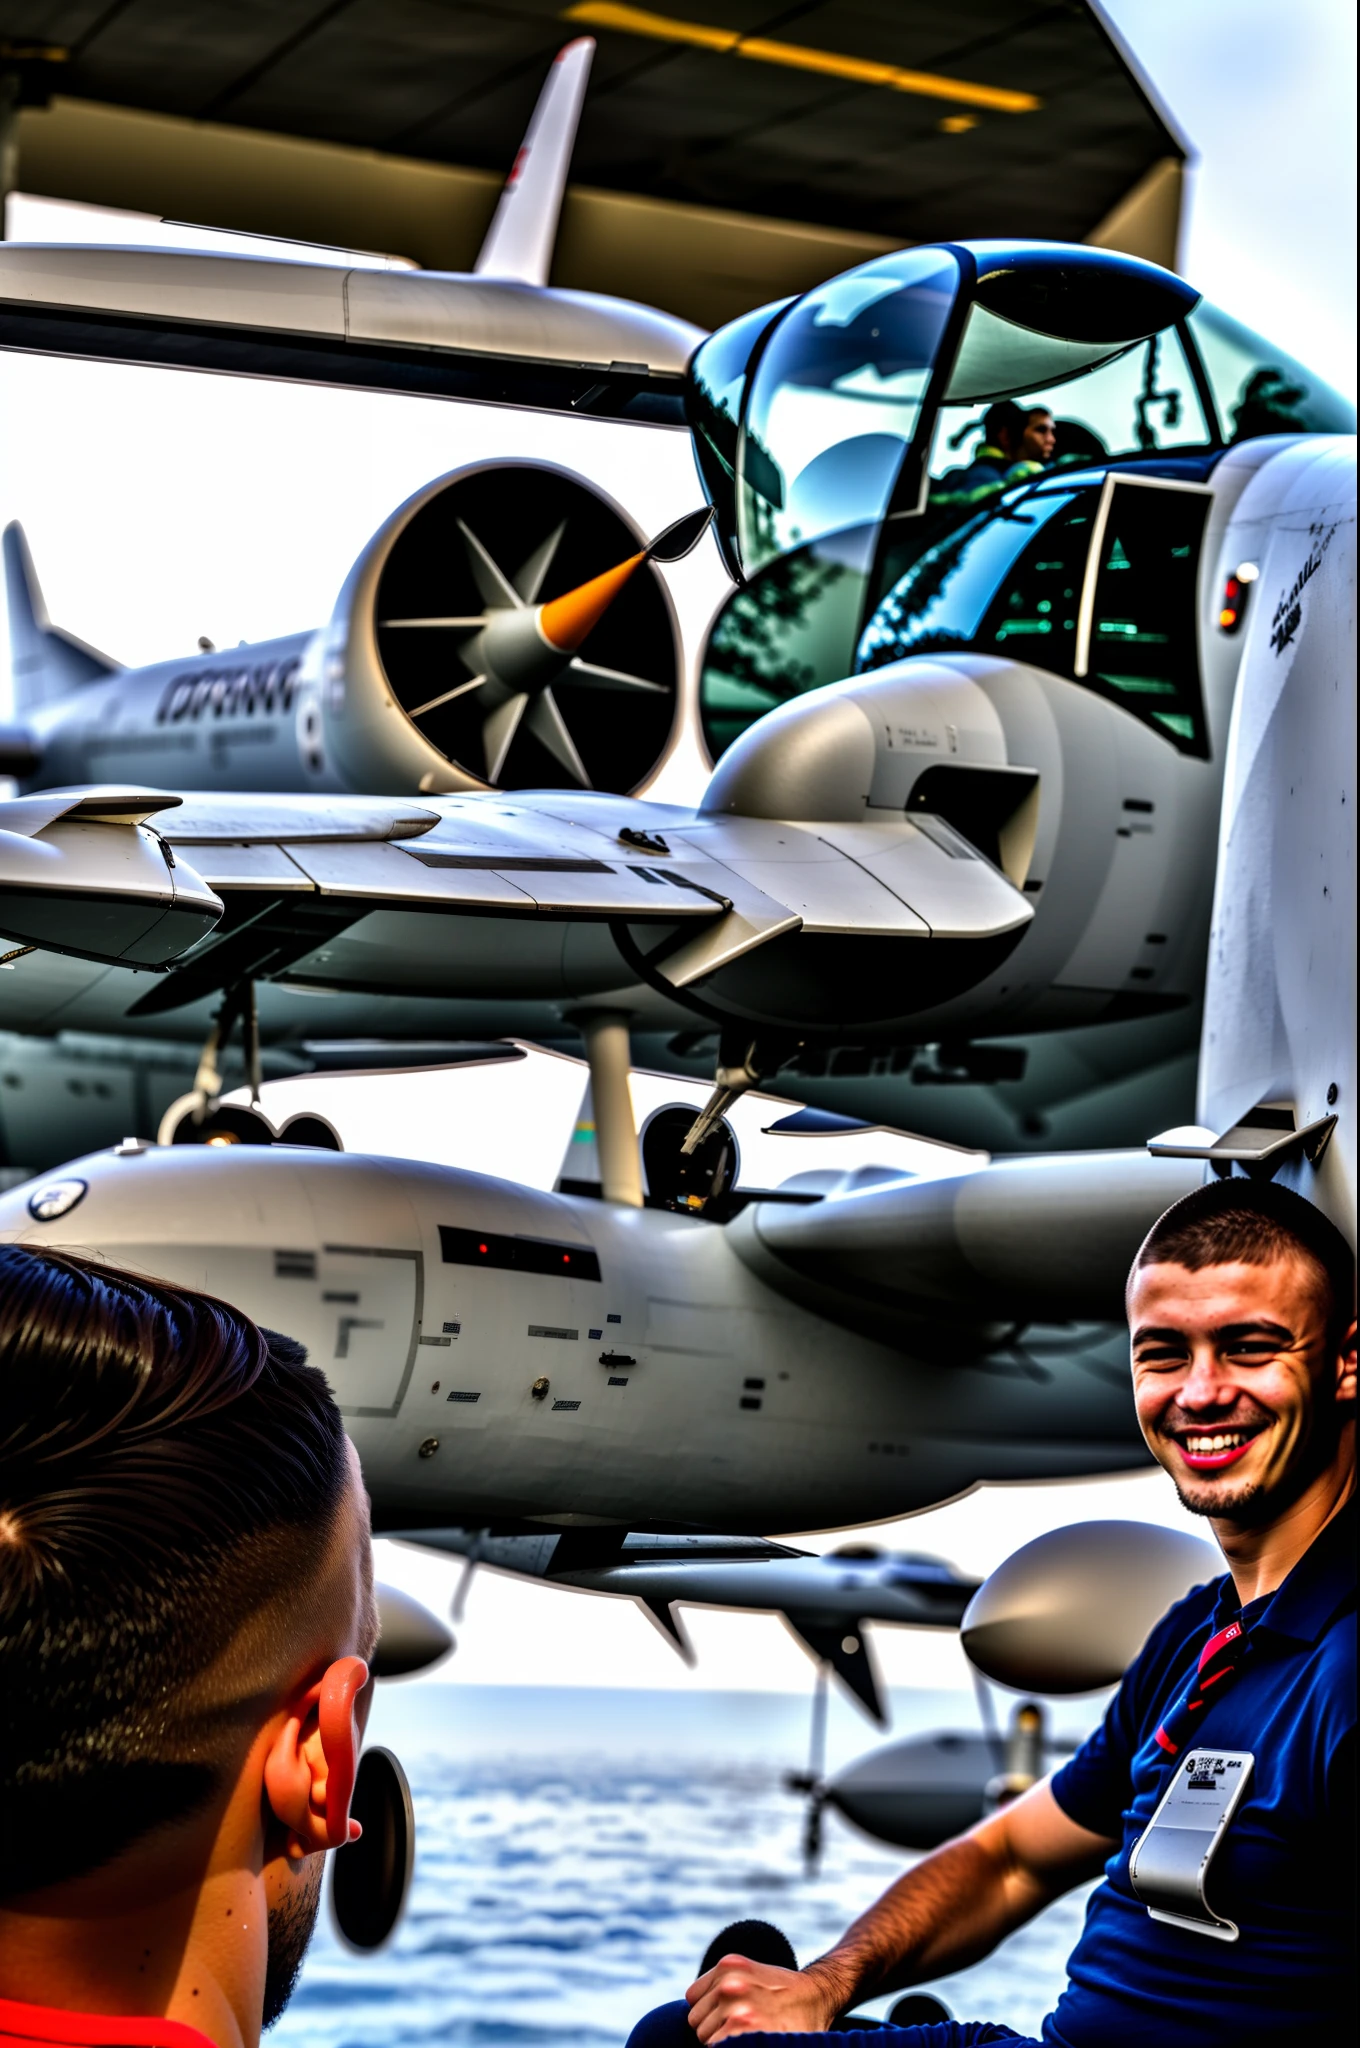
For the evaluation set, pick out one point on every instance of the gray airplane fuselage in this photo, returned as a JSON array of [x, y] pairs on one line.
[[593, 1363], [246, 718]]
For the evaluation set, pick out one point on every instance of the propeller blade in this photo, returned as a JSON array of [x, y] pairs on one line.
[[530, 578], [680, 538], [845, 1647], [498, 730], [469, 625], [609, 678], [490, 578], [459, 690], [546, 723]]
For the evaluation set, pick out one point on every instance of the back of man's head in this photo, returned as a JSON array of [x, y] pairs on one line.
[[169, 1478], [1003, 424]]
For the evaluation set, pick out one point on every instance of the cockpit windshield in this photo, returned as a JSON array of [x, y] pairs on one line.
[[836, 399], [1257, 388], [847, 439], [1138, 400]]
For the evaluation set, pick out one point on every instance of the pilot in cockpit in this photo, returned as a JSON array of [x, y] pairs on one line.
[[1017, 443]]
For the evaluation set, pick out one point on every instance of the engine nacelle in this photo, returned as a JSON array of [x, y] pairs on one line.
[[435, 675]]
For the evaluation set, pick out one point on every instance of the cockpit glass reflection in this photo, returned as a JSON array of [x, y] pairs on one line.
[[1258, 389], [1139, 401], [1008, 581], [836, 399]]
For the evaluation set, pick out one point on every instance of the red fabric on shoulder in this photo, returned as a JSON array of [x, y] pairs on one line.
[[40, 2026]]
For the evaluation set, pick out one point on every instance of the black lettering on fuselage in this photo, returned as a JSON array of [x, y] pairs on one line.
[[265, 687]]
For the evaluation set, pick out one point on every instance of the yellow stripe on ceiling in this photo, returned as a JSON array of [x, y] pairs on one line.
[[637, 21]]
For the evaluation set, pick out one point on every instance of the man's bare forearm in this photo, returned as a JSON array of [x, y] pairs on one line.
[[953, 1908]]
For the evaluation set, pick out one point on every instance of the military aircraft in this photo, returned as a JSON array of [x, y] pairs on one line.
[[822, 1361], [1045, 665], [824, 1601], [946, 1304]]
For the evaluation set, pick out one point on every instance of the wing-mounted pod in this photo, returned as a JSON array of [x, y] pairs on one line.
[[1021, 1241], [505, 628], [82, 872]]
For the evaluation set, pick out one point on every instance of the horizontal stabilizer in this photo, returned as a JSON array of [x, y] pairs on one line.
[[523, 233], [46, 663], [845, 1647]]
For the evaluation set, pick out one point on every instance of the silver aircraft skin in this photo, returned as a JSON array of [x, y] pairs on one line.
[[825, 898], [398, 327], [912, 1338], [502, 1354], [822, 816]]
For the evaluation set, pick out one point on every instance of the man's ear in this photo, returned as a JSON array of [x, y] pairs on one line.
[[1345, 1366], [310, 1770]]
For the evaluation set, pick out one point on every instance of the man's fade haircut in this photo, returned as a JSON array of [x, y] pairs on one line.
[[166, 1471], [1253, 1223]]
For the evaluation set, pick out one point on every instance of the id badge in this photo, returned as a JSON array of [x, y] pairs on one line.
[[1170, 1862]]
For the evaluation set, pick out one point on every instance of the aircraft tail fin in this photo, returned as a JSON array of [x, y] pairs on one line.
[[46, 663], [519, 243]]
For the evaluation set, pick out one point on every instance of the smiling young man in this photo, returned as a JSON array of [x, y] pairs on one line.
[[1241, 1309], [186, 1605]]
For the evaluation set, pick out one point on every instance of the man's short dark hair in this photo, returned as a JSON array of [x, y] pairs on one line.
[[1003, 421], [167, 1473], [1253, 1223]]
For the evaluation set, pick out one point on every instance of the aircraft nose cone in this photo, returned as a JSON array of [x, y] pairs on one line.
[[566, 621]]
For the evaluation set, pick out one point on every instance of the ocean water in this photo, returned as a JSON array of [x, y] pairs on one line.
[[576, 1852]]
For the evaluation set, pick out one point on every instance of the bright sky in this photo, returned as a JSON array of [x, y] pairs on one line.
[[161, 505]]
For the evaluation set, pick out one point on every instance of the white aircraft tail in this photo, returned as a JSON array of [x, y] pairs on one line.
[[519, 243], [46, 664]]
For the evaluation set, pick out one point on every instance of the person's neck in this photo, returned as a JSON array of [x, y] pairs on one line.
[[1261, 1557], [194, 1950]]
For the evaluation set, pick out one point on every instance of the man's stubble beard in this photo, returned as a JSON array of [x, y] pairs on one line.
[[1254, 1504], [291, 1926], [1246, 1506]]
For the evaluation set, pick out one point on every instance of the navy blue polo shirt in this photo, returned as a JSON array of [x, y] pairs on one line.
[[1285, 1868]]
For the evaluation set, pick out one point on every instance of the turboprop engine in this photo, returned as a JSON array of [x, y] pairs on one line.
[[505, 627]]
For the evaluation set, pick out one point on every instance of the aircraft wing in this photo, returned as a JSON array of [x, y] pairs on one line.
[[289, 872], [262, 886], [82, 871]]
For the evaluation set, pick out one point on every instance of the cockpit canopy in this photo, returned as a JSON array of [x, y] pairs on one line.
[[859, 400]]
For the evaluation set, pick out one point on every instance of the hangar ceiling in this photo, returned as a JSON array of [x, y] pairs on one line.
[[727, 150]]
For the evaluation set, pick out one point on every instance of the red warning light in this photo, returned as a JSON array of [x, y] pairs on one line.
[[482, 1248], [566, 1258], [1235, 592]]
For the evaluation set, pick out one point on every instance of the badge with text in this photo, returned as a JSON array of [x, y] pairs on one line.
[[1171, 1860]]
